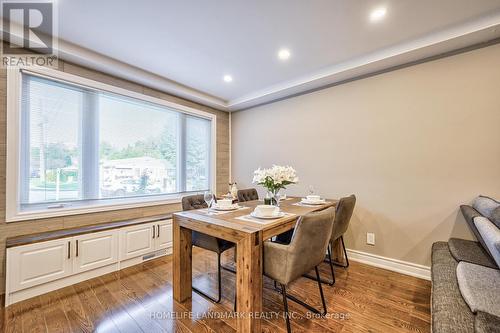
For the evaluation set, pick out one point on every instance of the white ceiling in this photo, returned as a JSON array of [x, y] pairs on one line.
[[195, 43]]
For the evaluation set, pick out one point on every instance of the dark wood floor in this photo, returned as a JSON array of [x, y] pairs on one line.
[[139, 299]]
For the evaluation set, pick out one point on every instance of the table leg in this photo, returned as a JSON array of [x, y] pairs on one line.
[[338, 252], [182, 262], [249, 282]]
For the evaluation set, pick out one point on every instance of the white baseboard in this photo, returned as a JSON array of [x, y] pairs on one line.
[[403, 267]]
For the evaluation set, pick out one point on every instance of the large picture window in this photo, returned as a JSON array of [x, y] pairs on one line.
[[81, 146]]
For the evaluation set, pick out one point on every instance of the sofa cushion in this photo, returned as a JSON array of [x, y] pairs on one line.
[[495, 217], [480, 287], [469, 214], [450, 313], [486, 323], [485, 205], [491, 236], [470, 251]]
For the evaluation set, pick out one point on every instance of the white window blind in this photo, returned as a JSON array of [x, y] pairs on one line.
[[81, 146]]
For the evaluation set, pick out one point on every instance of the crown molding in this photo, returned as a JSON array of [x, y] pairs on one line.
[[425, 48], [84, 57], [78, 55], [429, 47]]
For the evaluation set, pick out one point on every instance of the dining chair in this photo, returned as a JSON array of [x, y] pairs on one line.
[[206, 242], [286, 263], [248, 194], [343, 214]]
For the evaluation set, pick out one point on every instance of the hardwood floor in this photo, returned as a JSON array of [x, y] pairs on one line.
[[139, 299]]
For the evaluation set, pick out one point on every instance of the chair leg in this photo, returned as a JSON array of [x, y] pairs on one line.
[[219, 283], [345, 252], [235, 295], [331, 264], [230, 269], [307, 306], [330, 283], [321, 292], [235, 299], [345, 255], [285, 304]]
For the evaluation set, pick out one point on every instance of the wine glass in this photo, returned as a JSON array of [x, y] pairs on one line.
[[282, 194], [208, 197], [311, 190]]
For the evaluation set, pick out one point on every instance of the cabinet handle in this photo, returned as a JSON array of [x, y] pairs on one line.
[[77, 247], [69, 250], [153, 231], [158, 228]]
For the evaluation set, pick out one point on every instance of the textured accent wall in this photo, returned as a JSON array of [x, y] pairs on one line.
[[412, 144], [34, 226]]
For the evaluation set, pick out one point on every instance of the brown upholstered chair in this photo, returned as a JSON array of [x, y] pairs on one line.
[[343, 214], [248, 194], [206, 242], [286, 263]]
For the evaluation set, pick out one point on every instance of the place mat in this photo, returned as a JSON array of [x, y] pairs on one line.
[[309, 205], [250, 218], [220, 212]]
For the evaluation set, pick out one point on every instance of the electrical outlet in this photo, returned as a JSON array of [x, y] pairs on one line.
[[370, 238]]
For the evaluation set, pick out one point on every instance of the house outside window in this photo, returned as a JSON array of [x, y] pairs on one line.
[[84, 145]]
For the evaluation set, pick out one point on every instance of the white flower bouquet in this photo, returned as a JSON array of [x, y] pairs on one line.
[[275, 178]]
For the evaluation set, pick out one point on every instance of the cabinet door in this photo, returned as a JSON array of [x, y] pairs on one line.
[[31, 265], [137, 240], [95, 250], [164, 234]]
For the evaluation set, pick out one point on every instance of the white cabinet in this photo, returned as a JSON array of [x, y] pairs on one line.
[[164, 235], [35, 264], [38, 268], [145, 238], [95, 250], [137, 240], [39, 263]]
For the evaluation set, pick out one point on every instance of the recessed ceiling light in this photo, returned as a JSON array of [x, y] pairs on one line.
[[378, 14], [284, 54], [228, 78]]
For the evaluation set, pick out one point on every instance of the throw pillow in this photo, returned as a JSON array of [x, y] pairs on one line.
[[491, 236], [495, 217], [485, 205]]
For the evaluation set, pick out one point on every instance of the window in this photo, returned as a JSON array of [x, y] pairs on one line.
[[84, 144]]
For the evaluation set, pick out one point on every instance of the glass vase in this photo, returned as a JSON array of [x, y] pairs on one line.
[[275, 198]]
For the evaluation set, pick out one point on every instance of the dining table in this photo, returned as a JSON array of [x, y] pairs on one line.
[[248, 233]]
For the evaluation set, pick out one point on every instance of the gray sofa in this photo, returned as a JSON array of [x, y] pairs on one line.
[[450, 311]]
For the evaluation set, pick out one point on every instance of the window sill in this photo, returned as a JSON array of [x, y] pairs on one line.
[[102, 207]]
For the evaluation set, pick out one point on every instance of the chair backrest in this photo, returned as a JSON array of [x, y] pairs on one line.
[[309, 242], [343, 215], [248, 194], [199, 239], [191, 202]]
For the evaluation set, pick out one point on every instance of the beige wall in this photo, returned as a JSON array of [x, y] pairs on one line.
[[412, 144], [28, 227]]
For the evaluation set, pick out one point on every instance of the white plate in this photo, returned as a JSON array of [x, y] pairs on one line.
[[274, 216], [232, 207], [316, 202]]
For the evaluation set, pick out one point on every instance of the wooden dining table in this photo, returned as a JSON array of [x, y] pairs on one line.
[[248, 234]]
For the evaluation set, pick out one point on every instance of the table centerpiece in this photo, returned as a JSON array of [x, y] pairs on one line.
[[275, 179]]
